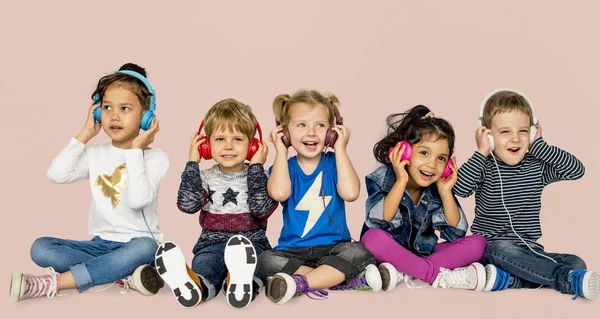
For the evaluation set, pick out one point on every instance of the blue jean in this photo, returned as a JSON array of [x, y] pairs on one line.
[[530, 270], [209, 265], [94, 262]]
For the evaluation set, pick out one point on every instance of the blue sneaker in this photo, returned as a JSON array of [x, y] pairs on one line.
[[584, 283], [495, 278]]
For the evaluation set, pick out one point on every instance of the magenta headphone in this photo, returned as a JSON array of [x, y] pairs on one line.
[[408, 152], [330, 137], [204, 148]]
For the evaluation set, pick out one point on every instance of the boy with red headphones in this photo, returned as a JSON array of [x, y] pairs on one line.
[[234, 206]]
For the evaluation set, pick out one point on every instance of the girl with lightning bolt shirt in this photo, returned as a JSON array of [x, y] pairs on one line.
[[315, 251]]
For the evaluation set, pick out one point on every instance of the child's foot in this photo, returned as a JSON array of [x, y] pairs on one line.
[[471, 277], [144, 279], [495, 278], [390, 277], [23, 286], [240, 260], [282, 287], [368, 279], [171, 266], [257, 286], [585, 283]]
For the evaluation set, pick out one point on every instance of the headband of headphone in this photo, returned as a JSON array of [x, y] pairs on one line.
[[480, 118]]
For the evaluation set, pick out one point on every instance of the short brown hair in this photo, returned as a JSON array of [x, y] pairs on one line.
[[232, 114], [505, 101]]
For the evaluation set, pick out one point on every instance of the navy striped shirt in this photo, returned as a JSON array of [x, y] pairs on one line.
[[522, 186]]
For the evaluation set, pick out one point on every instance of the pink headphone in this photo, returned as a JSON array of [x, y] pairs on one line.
[[408, 152], [204, 148]]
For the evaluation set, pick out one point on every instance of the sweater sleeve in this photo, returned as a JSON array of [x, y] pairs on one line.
[[191, 196], [70, 165], [144, 176], [259, 201], [470, 175], [557, 165]]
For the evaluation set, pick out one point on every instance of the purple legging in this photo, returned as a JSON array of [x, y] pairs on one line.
[[449, 255]]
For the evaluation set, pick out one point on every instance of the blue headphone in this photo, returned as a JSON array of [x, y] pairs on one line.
[[148, 116]]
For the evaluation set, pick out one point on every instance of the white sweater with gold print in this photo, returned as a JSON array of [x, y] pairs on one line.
[[123, 182]]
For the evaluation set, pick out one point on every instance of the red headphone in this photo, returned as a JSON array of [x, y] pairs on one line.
[[204, 148], [330, 137]]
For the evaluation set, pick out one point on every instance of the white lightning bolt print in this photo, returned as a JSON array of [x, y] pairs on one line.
[[313, 203]]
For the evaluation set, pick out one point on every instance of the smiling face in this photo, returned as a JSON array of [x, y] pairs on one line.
[[121, 115], [511, 133], [428, 160], [308, 127], [229, 148]]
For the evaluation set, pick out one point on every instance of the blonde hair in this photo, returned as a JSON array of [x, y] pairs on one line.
[[231, 114], [502, 102], [283, 103]]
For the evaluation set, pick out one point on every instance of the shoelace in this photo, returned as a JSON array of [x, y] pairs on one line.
[[577, 282], [453, 278], [302, 287], [356, 283], [40, 285], [125, 283], [408, 280]]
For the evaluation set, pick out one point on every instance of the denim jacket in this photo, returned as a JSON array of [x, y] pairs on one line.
[[424, 218]]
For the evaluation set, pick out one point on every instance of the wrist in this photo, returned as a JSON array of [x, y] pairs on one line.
[[485, 153], [83, 137]]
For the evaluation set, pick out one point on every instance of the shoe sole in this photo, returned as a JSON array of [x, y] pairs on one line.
[[171, 266], [16, 284], [373, 277], [591, 285], [481, 275], [389, 277], [490, 277], [282, 282], [147, 280], [240, 260]]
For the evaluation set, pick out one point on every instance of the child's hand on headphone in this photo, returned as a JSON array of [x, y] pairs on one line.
[[481, 138], [275, 138], [538, 130], [399, 165], [146, 138], [343, 136], [445, 185], [260, 156], [91, 127], [195, 142]]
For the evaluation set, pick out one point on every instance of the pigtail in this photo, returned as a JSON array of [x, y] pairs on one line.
[[279, 104]]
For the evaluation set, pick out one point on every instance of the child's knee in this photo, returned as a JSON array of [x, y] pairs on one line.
[[41, 252], [373, 238], [144, 246], [269, 263]]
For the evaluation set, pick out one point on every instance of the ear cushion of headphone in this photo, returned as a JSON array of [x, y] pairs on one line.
[[98, 110], [533, 132], [330, 137], [146, 121], [204, 150], [491, 141], [448, 169], [286, 138], [407, 150], [252, 148]]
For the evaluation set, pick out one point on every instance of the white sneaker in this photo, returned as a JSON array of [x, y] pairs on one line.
[[390, 277], [144, 279], [471, 277]]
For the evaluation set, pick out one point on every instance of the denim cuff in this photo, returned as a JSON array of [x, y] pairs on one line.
[[82, 277], [211, 293]]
